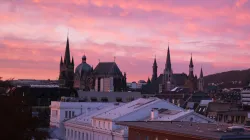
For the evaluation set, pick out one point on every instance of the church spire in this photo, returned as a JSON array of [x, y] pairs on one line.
[[201, 74], [72, 62], [154, 75], [67, 53], [61, 61], [191, 68], [191, 62], [168, 61]]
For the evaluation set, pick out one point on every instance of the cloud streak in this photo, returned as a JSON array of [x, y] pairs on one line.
[[33, 35]]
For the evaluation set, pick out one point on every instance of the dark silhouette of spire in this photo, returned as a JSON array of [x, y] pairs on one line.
[[61, 61], [72, 62], [191, 62], [148, 82], [201, 73], [191, 68], [67, 53], [154, 75], [168, 61]]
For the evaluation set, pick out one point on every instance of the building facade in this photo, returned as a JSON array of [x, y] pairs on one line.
[[106, 77], [97, 121]]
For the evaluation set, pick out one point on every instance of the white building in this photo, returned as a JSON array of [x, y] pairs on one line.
[[245, 96], [99, 121]]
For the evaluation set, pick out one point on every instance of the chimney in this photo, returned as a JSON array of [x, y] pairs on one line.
[[154, 113]]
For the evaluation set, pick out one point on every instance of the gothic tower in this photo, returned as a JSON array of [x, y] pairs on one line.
[[66, 76], [191, 68], [201, 82], [154, 75], [167, 79]]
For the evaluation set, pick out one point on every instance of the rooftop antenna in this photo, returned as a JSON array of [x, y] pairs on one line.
[[114, 58], [68, 33], [99, 60]]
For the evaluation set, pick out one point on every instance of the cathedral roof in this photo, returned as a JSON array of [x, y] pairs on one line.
[[83, 67], [178, 80], [107, 68]]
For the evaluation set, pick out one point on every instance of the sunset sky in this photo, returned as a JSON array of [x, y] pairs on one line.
[[33, 35]]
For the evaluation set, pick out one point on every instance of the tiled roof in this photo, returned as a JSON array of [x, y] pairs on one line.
[[107, 68]]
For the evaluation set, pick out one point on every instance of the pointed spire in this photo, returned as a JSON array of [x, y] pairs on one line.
[[201, 74], [191, 61], [61, 61], [72, 62], [148, 82], [67, 53], [155, 64], [168, 61]]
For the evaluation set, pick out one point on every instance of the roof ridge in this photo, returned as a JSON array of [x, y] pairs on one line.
[[155, 101]]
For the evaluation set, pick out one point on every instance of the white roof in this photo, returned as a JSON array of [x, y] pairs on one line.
[[170, 115], [134, 106], [87, 115], [205, 102]]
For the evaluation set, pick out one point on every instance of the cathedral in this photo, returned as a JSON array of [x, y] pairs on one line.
[[168, 80], [105, 77]]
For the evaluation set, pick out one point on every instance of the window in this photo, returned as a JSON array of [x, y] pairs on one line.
[[147, 138], [73, 113], [104, 125], [94, 122], [87, 136], [82, 135], [79, 135], [138, 136], [66, 114], [75, 134], [109, 126], [99, 124], [71, 133], [69, 114]]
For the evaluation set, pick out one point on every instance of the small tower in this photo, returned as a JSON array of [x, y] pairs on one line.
[[154, 75], [201, 81], [66, 76], [191, 68], [167, 80]]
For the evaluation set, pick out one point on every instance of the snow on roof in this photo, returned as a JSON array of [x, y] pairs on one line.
[[87, 115]]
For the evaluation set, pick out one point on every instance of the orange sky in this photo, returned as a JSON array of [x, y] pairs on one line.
[[33, 35]]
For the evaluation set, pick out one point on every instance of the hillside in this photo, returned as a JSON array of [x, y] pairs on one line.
[[236, 78]]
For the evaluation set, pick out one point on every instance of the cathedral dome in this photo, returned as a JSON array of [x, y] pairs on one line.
[[83, 67]]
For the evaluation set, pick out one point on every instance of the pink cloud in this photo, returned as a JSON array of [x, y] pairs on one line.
[[33, 35]]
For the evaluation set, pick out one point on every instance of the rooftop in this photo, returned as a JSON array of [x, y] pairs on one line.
[[198, 130], [87, 115], [137, 105]]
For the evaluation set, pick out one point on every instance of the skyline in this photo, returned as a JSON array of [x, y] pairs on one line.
[[33, 35]]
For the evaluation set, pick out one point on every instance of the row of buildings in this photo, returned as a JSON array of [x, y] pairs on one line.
[[106, 76]]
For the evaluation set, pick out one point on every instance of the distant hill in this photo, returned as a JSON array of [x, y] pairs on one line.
[[233, 79]]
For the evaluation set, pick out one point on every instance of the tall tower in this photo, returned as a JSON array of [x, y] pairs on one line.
[[66, 76], [201, 81], [167, 85], [154, 75], [191, 68]]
